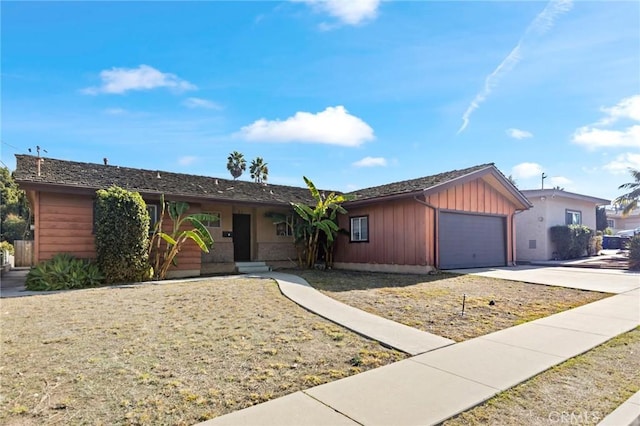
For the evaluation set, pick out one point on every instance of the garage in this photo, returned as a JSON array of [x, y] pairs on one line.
[[471, 240]]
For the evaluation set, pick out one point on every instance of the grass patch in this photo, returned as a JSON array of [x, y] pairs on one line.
[[582, 390], [166, 354], [433, 303]]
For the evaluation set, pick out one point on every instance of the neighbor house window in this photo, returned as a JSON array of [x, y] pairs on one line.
[[152, 209], [285, 229], [360, 228], [215, 223], [573, 217], [611, 223]]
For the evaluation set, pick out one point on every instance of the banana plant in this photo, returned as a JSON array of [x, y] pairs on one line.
[[165, 256], [317, 220]]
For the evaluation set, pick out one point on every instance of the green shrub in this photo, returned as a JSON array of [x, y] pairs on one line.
[[571, 241], [634, 253], [7, 246], [14, 228], [62, 272], [122, 235]]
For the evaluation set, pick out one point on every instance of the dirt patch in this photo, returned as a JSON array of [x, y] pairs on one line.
[[166, 354], [582, 390], [433, 303]]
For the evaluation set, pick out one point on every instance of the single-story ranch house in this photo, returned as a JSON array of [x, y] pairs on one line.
[[458, 219]]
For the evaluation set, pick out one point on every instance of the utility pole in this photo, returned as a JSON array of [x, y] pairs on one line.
[[543, 178]]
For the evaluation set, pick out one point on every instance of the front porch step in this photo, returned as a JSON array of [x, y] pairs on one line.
[[252, 267]]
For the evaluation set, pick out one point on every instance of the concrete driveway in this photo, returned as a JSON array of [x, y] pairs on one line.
[[605, 280]]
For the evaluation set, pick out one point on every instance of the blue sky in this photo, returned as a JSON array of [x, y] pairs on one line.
[[350, 94]]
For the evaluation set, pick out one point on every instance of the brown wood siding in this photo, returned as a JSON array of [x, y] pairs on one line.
[[397, 235], [65, 225]]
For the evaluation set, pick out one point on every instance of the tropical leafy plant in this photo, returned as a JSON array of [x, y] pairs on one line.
[[318, 222], [165, 246], [630, 200], [259, 170], [64, 271], [121, 235], [236, 164]]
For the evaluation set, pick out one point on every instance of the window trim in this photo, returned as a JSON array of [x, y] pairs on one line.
[[288, 224], [572, 211], [351, 222]]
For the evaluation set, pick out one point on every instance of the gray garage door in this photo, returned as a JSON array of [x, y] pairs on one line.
[[471, 241]]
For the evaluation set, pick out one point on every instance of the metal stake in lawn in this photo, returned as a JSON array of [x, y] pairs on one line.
[[464, 297]]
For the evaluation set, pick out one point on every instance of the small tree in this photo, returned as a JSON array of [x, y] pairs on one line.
[[236, 164], [601, 219], [164, 255], [259, 170], [121, 235], [317, 221]]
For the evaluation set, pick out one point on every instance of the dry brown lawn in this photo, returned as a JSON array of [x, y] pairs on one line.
[[176, 353], [433, 303], [580, 391]]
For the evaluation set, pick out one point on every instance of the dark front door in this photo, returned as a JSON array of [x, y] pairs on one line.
[[241, 237]]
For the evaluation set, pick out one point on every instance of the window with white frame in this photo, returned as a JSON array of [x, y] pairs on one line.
[[611, 223], [573, 217], [215, 222], [360, 228]]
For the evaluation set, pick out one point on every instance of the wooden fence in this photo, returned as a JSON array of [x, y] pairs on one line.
[[23, 252]]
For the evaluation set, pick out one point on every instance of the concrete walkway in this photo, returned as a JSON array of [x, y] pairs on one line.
[[434, 386]]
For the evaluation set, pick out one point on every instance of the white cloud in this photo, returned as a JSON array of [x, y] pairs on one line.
[[622, 163], [200, 103], [626, 108], [121, 80], [559, 181], [333, 126], [371, 162], [519, 134], [592, 137], [350, 12], [526, 170], [542, 23], [187, 160]]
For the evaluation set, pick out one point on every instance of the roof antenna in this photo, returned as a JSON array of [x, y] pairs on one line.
[[106, 161], [39, 160]]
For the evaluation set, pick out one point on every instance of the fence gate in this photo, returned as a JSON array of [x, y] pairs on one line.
[[23, 252]]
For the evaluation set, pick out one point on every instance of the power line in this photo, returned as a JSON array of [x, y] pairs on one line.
[[9, 145]]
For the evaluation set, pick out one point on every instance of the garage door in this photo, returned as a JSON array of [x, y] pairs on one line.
[[471, 241]]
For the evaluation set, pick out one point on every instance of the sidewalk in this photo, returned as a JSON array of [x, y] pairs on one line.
[[434, 386]]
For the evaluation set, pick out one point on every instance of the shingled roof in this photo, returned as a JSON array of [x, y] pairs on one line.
[[411, 186], [96, 176]]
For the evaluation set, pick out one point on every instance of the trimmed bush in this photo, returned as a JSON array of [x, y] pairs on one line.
[[122, 235], [63, 272], [634, 253], [571, 241], [13, 228]]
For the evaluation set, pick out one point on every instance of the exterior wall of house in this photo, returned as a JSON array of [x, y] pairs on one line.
[[397, 237], [403, 233], [222, 251], [632, 221], [64, 224], [534, 224], [271, 247]]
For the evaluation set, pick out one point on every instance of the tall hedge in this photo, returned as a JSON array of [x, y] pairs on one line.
[[571, 241], [121, 235]]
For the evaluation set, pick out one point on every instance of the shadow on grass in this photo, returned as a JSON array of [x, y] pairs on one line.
[[339, 280]]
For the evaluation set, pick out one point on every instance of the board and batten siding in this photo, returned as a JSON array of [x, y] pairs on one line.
[[397, 235]]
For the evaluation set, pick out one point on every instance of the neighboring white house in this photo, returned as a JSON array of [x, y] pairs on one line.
[[551, 207], [617, 222]]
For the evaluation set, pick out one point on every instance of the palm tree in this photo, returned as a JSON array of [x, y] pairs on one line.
[[259, 170], [630, 200], [236, 164]]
